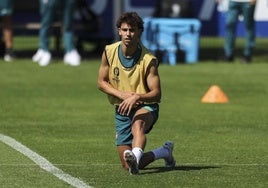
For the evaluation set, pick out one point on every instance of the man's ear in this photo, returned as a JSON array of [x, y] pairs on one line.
[[119, 32]]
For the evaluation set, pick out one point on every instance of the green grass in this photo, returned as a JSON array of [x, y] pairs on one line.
[[58, 112]]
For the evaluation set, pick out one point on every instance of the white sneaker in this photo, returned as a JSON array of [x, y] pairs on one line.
[[170, 161], [131, 161], [37, 56], [72, 58], [45, 59], [9, 55], [8, 58]]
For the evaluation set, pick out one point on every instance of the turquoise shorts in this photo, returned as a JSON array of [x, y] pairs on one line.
[[123, 123], [6, 7]]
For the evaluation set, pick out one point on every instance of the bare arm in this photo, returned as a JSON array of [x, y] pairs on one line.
[[153, 83], [103, 80]]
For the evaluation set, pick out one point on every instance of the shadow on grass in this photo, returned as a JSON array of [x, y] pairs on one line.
[[152, 170]]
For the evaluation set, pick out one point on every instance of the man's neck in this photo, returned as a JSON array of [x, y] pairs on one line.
[[128, 51]]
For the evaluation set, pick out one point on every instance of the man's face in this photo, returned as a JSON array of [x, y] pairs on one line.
[[129, 35]]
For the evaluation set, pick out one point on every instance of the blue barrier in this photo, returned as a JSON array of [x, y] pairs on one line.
[[170, 35]]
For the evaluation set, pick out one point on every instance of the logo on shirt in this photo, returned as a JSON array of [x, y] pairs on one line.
[[116, 74]]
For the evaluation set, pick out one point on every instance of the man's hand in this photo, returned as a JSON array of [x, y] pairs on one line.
[[128, 103]]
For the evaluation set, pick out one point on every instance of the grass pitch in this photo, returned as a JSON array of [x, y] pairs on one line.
[[58, 112]]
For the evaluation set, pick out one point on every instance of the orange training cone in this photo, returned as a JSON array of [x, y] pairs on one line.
[[215, 95]]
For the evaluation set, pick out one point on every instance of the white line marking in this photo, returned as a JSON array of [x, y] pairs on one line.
[[42, 162]]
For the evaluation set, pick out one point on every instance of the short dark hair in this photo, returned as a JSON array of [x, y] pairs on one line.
[[131, 18]]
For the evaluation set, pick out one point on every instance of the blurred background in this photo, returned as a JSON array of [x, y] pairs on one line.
[[95, 23]]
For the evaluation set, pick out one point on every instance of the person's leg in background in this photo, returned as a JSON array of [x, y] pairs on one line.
[[6, 10], [47, 11], [230, 31], [249, 22], [71, 56], [8, 38]]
